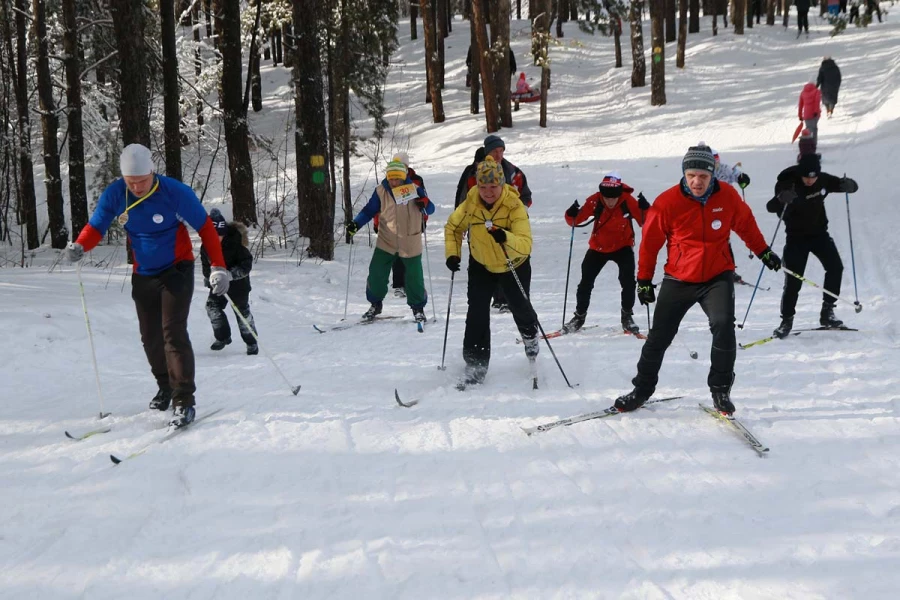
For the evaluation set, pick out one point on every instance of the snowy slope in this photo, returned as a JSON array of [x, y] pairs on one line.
[[340, 493]]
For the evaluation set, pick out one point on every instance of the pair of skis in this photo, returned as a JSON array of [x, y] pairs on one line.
[[562, 332], [420, 326], [795, 332], [734, 423]]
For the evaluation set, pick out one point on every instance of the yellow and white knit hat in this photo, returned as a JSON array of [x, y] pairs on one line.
[[396, 169]]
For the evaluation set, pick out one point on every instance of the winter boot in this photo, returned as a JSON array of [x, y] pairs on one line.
[[532, 346], [399, 292], [184, 415], [628, 323], [722, 402], [575, 323], [373, 312], [784, 329], [161, 400], [827, 318], [631, 401], [419, 315], [500, 305], [474, 375], [252, 349], [219, 344]]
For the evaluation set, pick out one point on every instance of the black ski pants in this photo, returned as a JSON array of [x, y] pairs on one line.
[[239, 290], [163, 303], [803, 20], [796, 252], [399, 273], [482, 283], [716, 298], [591, 266]]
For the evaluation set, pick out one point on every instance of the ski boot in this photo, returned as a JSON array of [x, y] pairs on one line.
[[628, 323], [373, 312], [161, 400], [500, 305], [575, 323], [399, 292], [184, 415], [219, 344], [722, 402], [532, 346], [252, 349], [827, 318], [784, 329], [631, 401], [474, 375], [419, 315]]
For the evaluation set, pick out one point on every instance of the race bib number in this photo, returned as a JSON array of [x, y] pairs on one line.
[[405, 193]]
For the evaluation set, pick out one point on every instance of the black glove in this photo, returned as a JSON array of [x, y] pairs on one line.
[[238, 273], [573, 210], [743, 180], [848, 185], [498, 234], [645, 291], [787, 196], [642, 202], [453, 263], [770, 259], [421, 203], [206, 282], [352, 228]]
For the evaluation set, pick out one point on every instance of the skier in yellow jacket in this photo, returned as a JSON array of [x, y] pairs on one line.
[[496, 219]]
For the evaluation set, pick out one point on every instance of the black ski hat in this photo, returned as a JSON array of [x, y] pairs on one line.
[[809, 165], [700, 158]]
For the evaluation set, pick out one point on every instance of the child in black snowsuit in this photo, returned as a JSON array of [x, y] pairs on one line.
[[239, 262]]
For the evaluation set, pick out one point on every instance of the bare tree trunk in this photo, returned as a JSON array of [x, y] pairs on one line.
[[228, 29], [787, 12], [658, 66], [413, 15], [207, 13], [519, 9], [639, 65], [198, 63], [737, 16], [474, 68], [559, 20], [287, 43], [171, 94], [670, 20], [254, 84], [748, 7], [715, 12], [617, 37], [27, 208], [543, 25], [682, 33], [480, 53], [313, 183], [770, 12], [432, 60], [500, 53], [59, 235], [78, 207], [134, 111], [440, 12], [694, 19]]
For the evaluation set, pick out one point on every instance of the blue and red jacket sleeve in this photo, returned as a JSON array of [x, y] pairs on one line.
[[193, 213], [368, 212], [103, 216]]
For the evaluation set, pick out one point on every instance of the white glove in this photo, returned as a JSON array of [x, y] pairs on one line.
[[74, 252], [219, 279]]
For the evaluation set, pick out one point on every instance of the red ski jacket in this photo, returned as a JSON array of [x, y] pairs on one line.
[[810, 101], [696, 235], [612, 228]]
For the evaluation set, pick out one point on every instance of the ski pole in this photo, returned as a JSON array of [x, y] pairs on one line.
[[531, 306], [428, 266], [347, 293], [568, 269], [87, 323], [447, 324], [852, 258], [648, 319], [856, 305], [294, 389], [761, 269]]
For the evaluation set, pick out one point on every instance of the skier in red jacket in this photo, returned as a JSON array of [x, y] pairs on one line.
[[612, 239], [694, 219]]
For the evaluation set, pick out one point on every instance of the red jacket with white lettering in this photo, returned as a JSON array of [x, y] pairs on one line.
[[696, 235], [612, 228]]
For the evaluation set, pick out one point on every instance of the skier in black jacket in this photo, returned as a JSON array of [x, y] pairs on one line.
[[239, 262], [800, 199], [802, 16], [829, 81]]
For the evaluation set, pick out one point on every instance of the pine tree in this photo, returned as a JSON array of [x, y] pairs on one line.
[[78, 208], [171, 94]]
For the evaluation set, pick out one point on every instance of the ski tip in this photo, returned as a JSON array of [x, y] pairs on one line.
[[103, 415], [295, 390], [534, 384], [70, 436], [317, 328], [401, 402], [115, 460], [419, 328]]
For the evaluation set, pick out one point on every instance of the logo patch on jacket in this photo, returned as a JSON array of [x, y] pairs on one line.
[[720, 209], [157, 218], [716, 225]]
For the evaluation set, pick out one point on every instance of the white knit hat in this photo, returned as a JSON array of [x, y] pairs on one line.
[[135, 161]]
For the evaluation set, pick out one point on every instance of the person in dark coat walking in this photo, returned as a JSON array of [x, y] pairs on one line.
[[802, 16], [829, 82], [467, 179], [239, 262]]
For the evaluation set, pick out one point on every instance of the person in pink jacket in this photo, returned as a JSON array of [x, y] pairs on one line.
[[809, 109]]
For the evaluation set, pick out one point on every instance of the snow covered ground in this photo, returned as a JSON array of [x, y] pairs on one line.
[[340, 493]]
